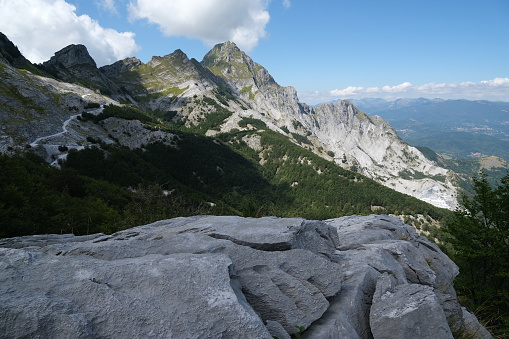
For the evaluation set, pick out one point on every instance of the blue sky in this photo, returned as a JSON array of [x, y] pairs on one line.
[[326, 49]]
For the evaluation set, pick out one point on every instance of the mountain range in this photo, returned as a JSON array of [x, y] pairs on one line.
[[226, 92]]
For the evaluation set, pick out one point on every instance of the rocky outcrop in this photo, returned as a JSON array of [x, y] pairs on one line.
[[120, 67], [74, 64], [371, 146], [232, 277], [70, 56]]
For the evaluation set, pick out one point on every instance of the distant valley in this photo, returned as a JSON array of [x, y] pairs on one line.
[[453, 128], [469, 136]]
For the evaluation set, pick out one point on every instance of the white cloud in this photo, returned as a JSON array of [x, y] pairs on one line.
[[212, 21], [398, 88], [496, 89], [503, 82], [287, 4], [107, 5], [355, 91], [349, 91], [42, 27]]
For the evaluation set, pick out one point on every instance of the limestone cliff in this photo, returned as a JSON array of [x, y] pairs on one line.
[[231, 277]]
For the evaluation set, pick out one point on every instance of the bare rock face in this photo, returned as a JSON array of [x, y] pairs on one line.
[[406, 311], [232, 277], [74, 64], [72, 55], [120, 67]]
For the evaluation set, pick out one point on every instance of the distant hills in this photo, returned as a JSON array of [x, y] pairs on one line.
[[453, 128], [462, 135]]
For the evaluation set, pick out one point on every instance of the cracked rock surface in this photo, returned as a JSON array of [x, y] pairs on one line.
[[232, 277]]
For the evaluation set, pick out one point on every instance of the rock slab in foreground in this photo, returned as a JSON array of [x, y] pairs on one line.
[[232, 277]]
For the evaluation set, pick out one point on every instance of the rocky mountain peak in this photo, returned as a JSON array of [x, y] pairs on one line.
[[348, 106], [227, 61], [178, 53], [225, 51], [74, 64], [120, 67], [172, 59], [72, 55]]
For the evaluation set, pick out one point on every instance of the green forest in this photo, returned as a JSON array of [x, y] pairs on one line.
[[107, 188]]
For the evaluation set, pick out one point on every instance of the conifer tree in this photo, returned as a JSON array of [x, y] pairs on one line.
[[479, 234]]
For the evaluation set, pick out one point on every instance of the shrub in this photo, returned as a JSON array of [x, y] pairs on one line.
[[91, 105]]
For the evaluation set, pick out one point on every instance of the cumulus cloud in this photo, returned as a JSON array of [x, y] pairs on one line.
[[212, 21], [496, 89], [356, 91], [42, 27], [398, 88]]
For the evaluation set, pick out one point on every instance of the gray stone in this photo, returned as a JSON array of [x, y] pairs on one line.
[[386, 284], [70, 56], [348, 314], [411, 311], [276, 330], [280, 288], [354, 231], [472, 328], [445, 269], [317, 237], [411, 260], [452, 309], [43, 240], [276, 283], [232, 277], [69, 296], [376, 254]]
